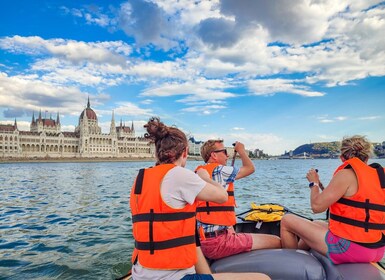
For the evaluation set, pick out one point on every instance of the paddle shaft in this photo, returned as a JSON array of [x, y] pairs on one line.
[[234, 156], [321, 186], [233, 161]]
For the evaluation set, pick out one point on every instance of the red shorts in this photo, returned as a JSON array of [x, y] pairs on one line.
[[344, 251], [226, 244]]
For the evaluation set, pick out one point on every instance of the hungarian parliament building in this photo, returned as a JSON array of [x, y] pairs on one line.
[[46, 140]]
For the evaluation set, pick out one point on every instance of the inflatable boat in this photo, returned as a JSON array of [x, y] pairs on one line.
[[287, 264]]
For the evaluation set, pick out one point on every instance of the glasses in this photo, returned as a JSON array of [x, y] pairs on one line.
[[219, 151]]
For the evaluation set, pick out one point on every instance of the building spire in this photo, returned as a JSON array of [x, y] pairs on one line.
[[15, 124], [113, 127], [33, 117], [88, 102], [57, 118], [40, 115], [132, 125]]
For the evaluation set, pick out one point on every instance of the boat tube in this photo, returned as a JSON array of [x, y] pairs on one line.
[[286, 264], [290, 264]]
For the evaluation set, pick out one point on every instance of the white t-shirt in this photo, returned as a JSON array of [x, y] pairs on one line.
[[179, 187]]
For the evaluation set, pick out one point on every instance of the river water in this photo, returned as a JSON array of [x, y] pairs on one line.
[[72, 220]]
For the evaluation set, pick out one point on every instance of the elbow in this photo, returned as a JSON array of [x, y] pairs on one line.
[[252, 169], [223, 198], [316, 208]]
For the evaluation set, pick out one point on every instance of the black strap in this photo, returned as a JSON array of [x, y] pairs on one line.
[[215, 208], [139, 182], [162, 217], [151, 231], [367, 214], [166, 244], [207, 208], [380, 172], [364, 205], [356, 223], [230, 193]]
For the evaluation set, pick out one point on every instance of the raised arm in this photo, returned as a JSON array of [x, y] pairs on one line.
[[247, 167], [343, 183]]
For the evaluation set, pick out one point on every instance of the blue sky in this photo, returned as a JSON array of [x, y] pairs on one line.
[[271, 75]]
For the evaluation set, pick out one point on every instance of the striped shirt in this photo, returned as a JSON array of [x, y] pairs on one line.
[[223, 175]]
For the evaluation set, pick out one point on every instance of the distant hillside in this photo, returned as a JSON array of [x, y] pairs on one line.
[[329, 149], [322, 149]]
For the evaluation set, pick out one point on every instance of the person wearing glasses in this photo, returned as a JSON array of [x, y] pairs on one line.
[[163, 204], [216, 220], [355, 198]]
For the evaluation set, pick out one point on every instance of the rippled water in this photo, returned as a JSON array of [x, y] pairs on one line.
[[72, 220]]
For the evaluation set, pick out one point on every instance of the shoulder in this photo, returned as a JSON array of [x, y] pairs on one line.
[[180, 170], [345, 175], [179, 173]]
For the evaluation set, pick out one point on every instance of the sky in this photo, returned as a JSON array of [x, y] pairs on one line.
[[271, 74]]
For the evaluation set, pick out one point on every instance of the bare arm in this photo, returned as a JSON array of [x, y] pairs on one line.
[[201, 266], [247, 167], [212, 191], [342, 184]]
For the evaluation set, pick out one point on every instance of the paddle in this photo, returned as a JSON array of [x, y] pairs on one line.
[[234, 156], [321, 186]]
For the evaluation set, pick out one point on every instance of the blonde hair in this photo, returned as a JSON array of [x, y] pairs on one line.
[[208, 147], [170, 142], [356, 146]]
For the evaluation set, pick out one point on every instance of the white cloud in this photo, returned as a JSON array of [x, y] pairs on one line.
[[198, 90], [30, 94], [70, 50], [328, 119], [130, 109], [272, 86], [328, 137], [205, 110], [370, 118]]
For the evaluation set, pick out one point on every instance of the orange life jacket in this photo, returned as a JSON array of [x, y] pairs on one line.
[[164, 236], [215, 213], [361, 217]]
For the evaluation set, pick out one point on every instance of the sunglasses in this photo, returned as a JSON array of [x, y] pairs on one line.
[[219, 151]]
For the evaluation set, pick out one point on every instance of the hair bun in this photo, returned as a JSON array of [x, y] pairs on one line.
[[357, 147]]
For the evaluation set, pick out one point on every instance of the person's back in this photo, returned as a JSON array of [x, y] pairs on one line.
[[356, 200], [216, 221], [163, 205]]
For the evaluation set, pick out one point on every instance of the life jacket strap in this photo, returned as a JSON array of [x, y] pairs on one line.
[[215, 209], [380, 172], [139, 182], [166, 244], [230, 193], [364, 205], [352, 222], [162, 217], [151, 232]]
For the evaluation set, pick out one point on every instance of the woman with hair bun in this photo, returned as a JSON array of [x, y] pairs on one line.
[[163, 204], [355, 198]]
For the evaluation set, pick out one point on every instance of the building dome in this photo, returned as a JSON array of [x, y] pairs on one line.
[[91, 115]]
